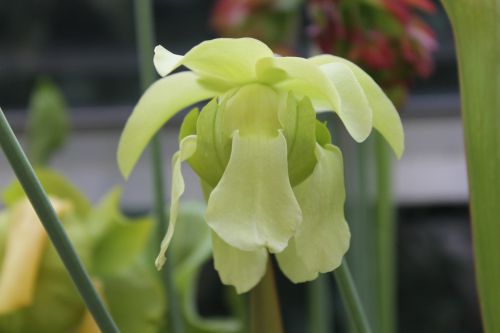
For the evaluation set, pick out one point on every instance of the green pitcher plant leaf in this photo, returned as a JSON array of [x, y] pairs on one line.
[[478, 54], [261, 152]]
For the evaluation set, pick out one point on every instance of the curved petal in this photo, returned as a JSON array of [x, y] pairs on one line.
[[323, 237], [292, 265], [355, 111], [253, 206], [241, 269], [159, 103], [304, 78], [227, 59], [385, 116], [187, 149]]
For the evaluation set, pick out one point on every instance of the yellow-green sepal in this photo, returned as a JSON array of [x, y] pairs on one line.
[[322, 238], [162, 100], [385, 116], [226, 59]]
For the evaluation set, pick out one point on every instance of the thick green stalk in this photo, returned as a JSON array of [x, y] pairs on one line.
[[476, 26], [265, 315], [320, 305], [385, 238], [145, 44], [350, 297], [53, 226]]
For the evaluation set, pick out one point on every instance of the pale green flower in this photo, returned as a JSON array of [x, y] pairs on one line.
[[274, 180]]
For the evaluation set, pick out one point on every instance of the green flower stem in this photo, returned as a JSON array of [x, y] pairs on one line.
[[351, 299], [145, 44], [362, 254], [320, 305], [265, 315], [478, 52], [385, 239], [53, 226]]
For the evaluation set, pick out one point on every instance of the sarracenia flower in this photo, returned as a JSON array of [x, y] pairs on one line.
[[273, 179]]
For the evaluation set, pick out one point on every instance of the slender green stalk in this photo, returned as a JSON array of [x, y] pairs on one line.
[[362, 254], [38, 198], [385, 238], [320, 306], [145, 44], [351, 299], [265, 315], [476, 27]]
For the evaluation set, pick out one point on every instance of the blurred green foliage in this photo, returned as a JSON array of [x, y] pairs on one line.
[[48, 124]]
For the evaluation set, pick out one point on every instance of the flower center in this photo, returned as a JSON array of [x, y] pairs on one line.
[[252, 110]]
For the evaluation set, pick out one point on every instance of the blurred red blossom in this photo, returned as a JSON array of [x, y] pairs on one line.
[[388, 38], [271, 21]]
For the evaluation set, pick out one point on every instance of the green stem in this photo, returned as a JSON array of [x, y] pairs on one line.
[[385, 238], [362, 254], [351, 299], [320, 306], [145, 44], [265, 315], [53, 226]]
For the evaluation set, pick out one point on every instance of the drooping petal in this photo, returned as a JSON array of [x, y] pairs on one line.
[[253, 205], [355, 111], [187, 149], [323, 237], [159, 103], [24, 252], [292, 265], [385, 116], [241, 269], [226, 59], [304, 78], [299, 122]]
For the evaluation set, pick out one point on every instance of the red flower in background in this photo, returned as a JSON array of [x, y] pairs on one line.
[[388, 38], [271, 21]]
